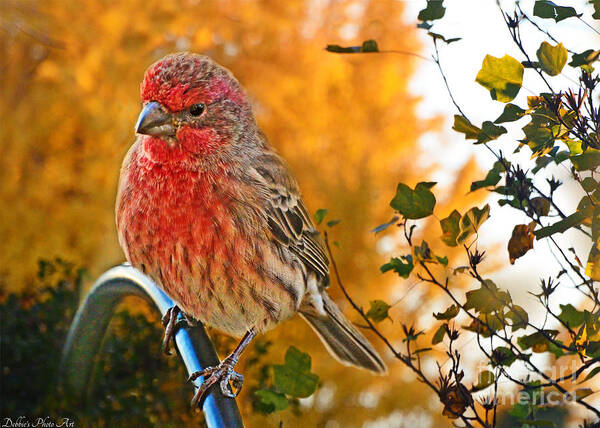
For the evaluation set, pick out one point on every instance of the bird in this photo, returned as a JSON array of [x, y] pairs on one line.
[[208, 210]]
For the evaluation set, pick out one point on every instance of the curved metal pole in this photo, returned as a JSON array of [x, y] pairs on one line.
[[91, 322]]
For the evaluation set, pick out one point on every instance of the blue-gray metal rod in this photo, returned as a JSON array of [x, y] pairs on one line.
[[90, 325]]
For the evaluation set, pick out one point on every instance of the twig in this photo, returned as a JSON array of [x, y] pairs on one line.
[[588, 25], [404, 358]]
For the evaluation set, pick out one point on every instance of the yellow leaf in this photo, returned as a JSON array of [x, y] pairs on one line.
[[592, 268]]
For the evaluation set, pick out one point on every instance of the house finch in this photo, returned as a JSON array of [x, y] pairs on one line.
[[210, 212]]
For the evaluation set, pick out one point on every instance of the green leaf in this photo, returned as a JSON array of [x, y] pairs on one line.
[[423, 253], [503, 77], [511, 113], [378, 310], [570, 316], [439, 334], [586, 204], [503, 356], [547, 9], [368, 46], [561, 156], [384, 226], [556, 350], [471, 222], [518, 316], [434, 10], [489, 132], [452, 40], [592, 350], [540, 205], [538, 342], [436, 36], [539, 137], [294, 377], [591, 326], [588, 160], [462, 125], [271, 401], [397, 265], [414, 204], [342, 49], [485, 379], [485, 325], [542, 162], [450, 228], [591, 374], [491, 179], [486, 299], [584, 58], [448, 314], [592, 267], [596, 222], [332, 223], [596, 4], [320, 215], [589, 184], [560, 226], [552, 58], [442, 260]]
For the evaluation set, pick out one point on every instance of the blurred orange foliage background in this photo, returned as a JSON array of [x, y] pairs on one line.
[[69, 84]]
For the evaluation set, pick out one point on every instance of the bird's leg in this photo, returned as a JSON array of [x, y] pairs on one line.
[[223, 373], [172, 321]]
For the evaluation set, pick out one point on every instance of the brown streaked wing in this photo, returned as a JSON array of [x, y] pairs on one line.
[[288, 218]]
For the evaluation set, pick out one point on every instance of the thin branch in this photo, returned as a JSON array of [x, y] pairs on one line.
[[436, 59], [589, 26], [532, 22], [404, 358], [507, 341], [515, 34]]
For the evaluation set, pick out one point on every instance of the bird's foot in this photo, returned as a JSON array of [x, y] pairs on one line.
[[172, 321], [225, 374]]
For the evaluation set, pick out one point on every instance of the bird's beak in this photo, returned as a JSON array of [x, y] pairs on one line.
[[155, 120]]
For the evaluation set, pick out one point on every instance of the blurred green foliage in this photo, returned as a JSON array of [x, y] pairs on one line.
[[135, 385]]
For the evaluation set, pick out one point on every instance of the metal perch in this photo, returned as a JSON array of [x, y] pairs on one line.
[[91, 322]]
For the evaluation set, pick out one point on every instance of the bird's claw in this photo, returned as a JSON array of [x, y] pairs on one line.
[[173, 319], [224, 374]]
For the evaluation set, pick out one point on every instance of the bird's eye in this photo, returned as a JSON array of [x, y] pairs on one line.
[[197, 109]]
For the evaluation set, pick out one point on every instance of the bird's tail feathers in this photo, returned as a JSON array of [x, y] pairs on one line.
[[342, 339]]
